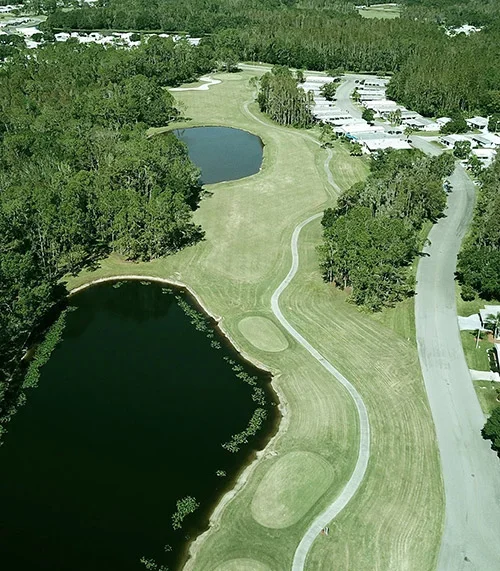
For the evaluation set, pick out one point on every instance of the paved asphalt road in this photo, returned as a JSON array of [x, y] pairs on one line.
[[343, 95], [426, 144], [471, 471]]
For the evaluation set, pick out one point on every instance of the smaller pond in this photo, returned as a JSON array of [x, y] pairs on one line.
[[222, 153]]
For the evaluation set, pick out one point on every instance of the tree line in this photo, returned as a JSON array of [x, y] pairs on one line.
[[282, 99], [80, 178], [478, 268], [432, 73], [372, 236]]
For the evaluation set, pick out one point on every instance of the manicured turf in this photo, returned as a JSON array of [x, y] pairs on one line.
[[476, 357], [263, 334], [394, 521], [380, 11], [290, 488], [487, 394]]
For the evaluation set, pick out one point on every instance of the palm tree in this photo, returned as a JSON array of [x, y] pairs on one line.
[[408, 132]]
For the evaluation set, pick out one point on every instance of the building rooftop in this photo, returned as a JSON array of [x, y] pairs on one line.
[[481, 122], [386, 143]]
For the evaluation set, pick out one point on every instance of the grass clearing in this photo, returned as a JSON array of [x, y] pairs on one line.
[[487, 393], [476, 357], [386, 11], [395, 520]]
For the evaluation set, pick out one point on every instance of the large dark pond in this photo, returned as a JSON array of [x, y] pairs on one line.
[[222, 153], [129, 417]]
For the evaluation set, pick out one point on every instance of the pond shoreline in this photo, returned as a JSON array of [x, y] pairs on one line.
[[240, 479]]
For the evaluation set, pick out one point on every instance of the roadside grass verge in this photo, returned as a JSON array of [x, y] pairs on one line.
[[477, 358], [487, 394]]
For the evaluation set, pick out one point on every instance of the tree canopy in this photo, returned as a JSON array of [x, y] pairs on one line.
[[491, 430], [282, 100], [372, 236], [478, 267], [433, 73], [79, 178]]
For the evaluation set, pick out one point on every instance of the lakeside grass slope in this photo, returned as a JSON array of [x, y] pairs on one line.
[[395, 520]]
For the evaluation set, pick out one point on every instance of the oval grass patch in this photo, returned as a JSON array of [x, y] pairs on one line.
[[290, 488], [263, 334]]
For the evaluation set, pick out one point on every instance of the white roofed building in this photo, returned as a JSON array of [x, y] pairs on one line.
[[374, 145], [442, 121], [477, 122], [450, 140]]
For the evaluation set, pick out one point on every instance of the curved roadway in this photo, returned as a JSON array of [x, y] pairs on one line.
[[471, 471]]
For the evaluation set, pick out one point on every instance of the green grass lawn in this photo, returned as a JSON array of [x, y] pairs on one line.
[[395, 520], [477, 358], [467, 308], [428, 133], [380, 11], [487, 395]]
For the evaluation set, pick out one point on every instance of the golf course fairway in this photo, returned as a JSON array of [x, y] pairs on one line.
[[395, 519]]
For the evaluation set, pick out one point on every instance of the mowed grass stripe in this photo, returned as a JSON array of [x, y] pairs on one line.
[[400, 501]]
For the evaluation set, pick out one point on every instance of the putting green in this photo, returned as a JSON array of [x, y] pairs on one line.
[[242, 565], [290, 489], [263, 334]]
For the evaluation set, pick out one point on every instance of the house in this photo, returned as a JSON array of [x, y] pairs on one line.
[[431, 126], [486, 156], [358, 128], [480, 123], [371, 95], [415, 123], [373, 145], [383, 107], [484, 314], [441, 121], [409, 115], [375, 82], [487, 140], [450, 140]]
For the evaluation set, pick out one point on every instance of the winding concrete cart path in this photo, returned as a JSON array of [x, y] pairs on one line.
[[471, 471], [357, 476], [364, 426]]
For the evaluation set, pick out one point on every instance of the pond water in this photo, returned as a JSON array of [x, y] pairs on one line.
[[129, 417], [222, 153]]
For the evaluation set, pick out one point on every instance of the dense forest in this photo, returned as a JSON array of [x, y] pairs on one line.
[[281, 98], [478, 268], [372, 236], [79, 177], [433, 73]]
